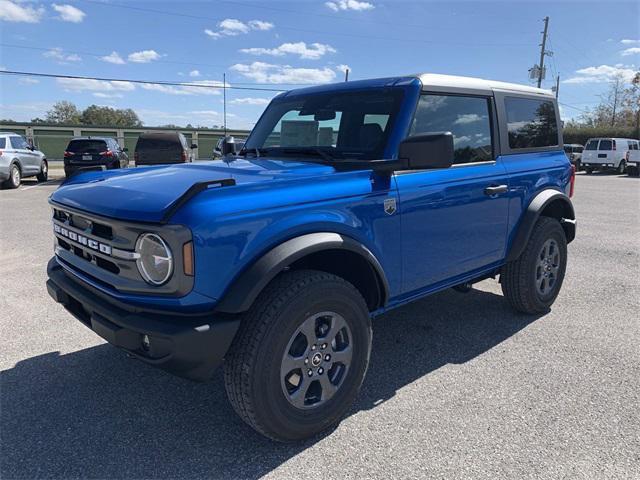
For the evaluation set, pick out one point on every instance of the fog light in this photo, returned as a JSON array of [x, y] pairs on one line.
[[146, 344]]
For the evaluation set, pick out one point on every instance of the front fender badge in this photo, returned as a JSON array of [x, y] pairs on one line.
[[390, 206]]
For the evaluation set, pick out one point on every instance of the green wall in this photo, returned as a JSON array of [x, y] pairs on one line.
[[52, 142]]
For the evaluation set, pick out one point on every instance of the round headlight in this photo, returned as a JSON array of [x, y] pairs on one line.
[[155, 263]]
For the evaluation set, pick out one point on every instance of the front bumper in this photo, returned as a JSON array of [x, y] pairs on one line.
[[185, 345]]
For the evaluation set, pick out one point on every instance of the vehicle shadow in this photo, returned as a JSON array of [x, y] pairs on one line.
[[97, 413]]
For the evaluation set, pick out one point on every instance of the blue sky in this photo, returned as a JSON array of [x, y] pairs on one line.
[[280, 44]]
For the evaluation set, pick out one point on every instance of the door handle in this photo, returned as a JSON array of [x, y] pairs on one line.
[[495, 190]]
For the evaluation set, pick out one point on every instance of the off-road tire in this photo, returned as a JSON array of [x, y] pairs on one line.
[[44, 172], [518, 278], [252, 370]]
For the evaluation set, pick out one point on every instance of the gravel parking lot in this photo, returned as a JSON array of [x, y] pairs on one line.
[[459, 386]]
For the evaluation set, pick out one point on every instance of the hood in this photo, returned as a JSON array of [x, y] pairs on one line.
[[146, 193]]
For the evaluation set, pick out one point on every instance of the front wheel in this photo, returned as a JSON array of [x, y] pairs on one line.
[[622, 168], [532, 282], [300, 356], [44, 172]]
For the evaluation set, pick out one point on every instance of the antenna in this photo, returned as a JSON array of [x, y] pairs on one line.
[[224, 101]]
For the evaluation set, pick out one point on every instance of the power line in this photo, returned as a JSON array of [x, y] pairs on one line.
[[146, 82], [306, 30]]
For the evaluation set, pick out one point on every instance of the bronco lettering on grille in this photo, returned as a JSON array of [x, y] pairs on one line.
[[82, 240]]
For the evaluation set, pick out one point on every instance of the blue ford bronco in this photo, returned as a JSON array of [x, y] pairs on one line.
[[347, 200]]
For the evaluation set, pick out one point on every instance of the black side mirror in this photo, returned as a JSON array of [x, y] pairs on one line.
[[427, 150], [193, 145], [228, 146]]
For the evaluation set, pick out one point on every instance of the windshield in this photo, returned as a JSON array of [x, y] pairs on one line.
[[341, 125]]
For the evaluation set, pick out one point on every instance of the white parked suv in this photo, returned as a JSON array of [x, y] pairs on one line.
[[18, 159], [607, 154]]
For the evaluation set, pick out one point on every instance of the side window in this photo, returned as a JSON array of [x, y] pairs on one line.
[[467, 118], [531, 123], [606, 145], [19, 143], [3, 142], [580, 149]]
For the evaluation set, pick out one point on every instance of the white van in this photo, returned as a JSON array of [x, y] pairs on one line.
[[633, 163], [607, 154]]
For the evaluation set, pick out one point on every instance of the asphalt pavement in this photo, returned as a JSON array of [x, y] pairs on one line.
[[459, 385]]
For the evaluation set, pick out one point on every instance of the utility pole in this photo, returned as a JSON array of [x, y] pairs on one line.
[[542, 52], [346, 74], [224, 101]]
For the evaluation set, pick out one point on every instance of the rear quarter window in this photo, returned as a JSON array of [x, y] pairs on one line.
[[531, 123]]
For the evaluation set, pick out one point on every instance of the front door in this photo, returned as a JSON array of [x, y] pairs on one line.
[[454, 220]]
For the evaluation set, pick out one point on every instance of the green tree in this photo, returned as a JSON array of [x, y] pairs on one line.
[[63, 112], [106, 116]]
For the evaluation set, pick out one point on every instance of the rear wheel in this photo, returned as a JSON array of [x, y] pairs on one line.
[[622, 168], [44, 172], [15, 177], [300, 356], [532, 282], [589, 170]]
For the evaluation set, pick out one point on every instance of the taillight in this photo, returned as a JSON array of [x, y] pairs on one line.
[[0, 153], [184, 155], [614, 144], [572, 181], [68, 154], [107, 153]]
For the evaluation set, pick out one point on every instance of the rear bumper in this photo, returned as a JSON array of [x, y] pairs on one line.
[[184, 345]]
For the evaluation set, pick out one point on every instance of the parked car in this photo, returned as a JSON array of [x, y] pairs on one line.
[[155, 148], [94, 153], [237, 146], [19, 159], [607, 154], [350, 199], [633, 160], [574, 154]]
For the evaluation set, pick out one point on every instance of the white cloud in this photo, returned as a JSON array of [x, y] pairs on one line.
[[144, 56], [186, 89], [69, 13], [107, 95], [630, 51], [230, 27], [20, 12], [312, 52], [467, 118], [194, 73], [250, 101], [343, 68], [114, 58], [628, 41], [82, 84], [260, 25], [602, 74], [28, 81], [267, 73], [61, 57], [356, 5]]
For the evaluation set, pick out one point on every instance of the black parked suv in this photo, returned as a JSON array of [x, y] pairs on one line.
[[94, 153], [159, 148]]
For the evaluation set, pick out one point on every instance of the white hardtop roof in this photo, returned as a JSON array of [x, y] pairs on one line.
[[469, 83]]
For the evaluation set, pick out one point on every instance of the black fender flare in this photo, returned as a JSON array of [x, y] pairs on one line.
[[564, 212], [248, 285]]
